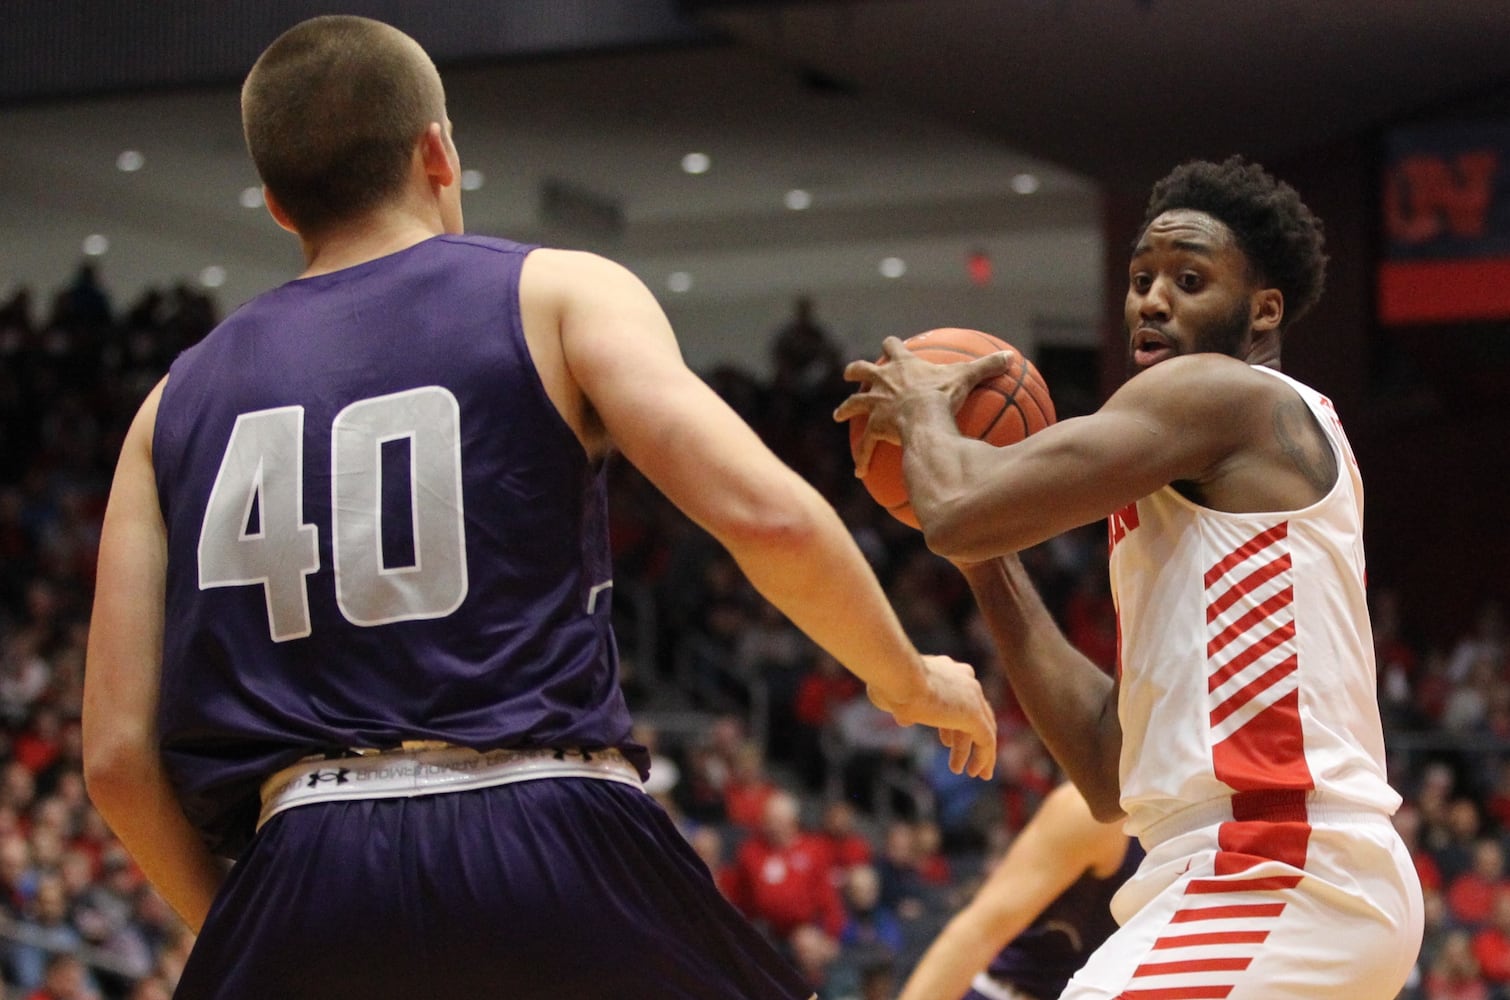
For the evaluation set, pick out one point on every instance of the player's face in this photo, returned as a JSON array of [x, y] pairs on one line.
[[1189, 291]]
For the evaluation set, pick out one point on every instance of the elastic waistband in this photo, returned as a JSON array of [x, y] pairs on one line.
[[433, 771], [1270, 806]]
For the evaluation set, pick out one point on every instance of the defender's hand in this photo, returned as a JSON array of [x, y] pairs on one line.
[[951, 700]]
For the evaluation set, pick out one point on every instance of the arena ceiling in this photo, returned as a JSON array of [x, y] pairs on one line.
[[909, 124]]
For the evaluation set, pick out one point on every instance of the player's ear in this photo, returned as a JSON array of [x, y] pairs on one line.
[[435, 155], [1267, 310], [276, 211]]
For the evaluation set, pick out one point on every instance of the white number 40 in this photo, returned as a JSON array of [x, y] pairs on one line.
[[263, 472]]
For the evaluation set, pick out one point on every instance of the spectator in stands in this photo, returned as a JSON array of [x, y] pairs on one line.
[[44, 932], [1487, 641], [822, 691], [1491, 945], [805, 358], [781, 879], [1462, 824], [933, 865], [38, 745], [708, 841], [1454, 975], [903, 888], [749, 787], [1470, 896], [844, 845], [24, 675], [18, 879], [814, 952], [710, 761], [875, 758], [66, 978], [869, 926]]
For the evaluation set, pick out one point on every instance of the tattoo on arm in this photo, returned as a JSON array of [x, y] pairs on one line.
[[1302, 439]]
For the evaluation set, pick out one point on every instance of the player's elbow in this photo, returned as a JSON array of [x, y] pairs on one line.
[[770, 524], [1105, 807], [948, 532], [113, 769], [770, 533]]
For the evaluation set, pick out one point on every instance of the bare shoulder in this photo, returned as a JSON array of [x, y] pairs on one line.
[[552, 271], [1196, 390]]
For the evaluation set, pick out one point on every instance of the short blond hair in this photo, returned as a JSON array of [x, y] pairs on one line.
[[332, 111]]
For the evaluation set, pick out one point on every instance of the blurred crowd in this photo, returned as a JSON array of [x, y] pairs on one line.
[[842, 835]]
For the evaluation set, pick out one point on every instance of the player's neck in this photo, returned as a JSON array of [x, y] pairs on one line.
[[384, 232]]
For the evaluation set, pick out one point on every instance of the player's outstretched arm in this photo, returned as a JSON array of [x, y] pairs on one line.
[[122, 767], [1071, 702], [787, 539], [1060, 844]]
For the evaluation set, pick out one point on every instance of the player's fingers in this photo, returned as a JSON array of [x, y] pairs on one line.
[[864, 450], [894, 348], [985, 761], [959, 752], [989, 366], [860, 371], [857, 405]]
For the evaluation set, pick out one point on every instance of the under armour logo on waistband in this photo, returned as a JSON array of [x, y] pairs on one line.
[[338, 776]]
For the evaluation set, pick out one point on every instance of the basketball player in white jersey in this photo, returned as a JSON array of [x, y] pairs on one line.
[[1241, 737]]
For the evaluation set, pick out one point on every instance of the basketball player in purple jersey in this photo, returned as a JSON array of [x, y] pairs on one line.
[[352, 614]]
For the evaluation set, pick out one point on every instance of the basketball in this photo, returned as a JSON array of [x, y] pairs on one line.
[[1001, 410]]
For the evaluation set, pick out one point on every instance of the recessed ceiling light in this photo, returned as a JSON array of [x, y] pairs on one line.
[[1025, 183], [471, 180], [251, 197], [95, 245], [696, 163], [797, 199], [893, 267], [212, 276], [679, 281], [130, 161]]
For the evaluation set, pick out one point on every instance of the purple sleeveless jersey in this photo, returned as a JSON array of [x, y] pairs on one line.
[[379, 529], [1041, 960]]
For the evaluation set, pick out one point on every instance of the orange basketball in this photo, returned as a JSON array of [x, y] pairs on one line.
[[1002, 410]]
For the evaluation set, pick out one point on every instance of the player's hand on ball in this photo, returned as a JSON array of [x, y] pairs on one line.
[[900, 376], [951, 700]]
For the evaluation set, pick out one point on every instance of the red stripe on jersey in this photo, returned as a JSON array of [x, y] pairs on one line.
[[1247, 585], [1246, 845], [1213, 992], [1252, 617], [1213, 937], [1253, 689], [1193, 965], [1257, 543], [1263, 884], [1237, 911], [1267, 644], [1266, 753]]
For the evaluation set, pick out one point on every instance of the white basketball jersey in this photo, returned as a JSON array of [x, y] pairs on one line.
[[1246, 657]]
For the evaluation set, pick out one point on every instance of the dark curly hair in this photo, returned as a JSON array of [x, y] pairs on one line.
[[1278, 234]]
